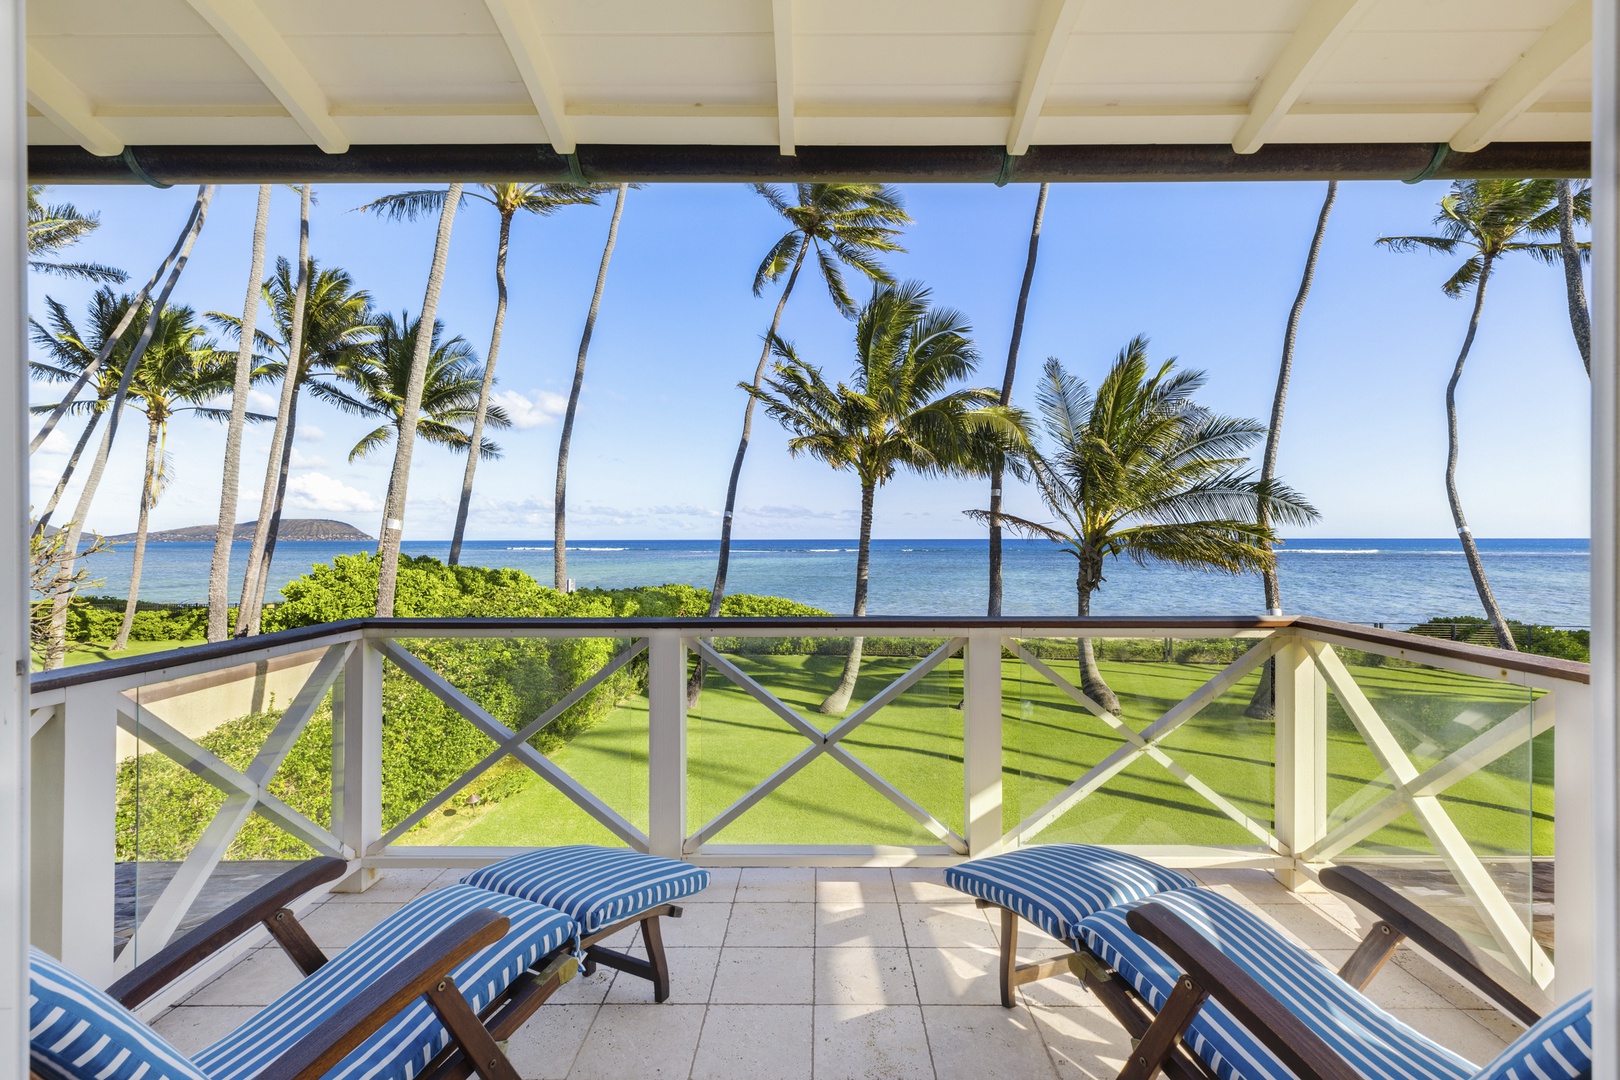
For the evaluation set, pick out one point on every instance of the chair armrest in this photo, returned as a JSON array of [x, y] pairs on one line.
[[259, 906], [1427, 933], [1283, 1033], [422, 973]]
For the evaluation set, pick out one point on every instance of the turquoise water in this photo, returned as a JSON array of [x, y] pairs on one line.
[[1398, 582]]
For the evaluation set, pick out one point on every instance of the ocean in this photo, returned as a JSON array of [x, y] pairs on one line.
[[1395, 582]]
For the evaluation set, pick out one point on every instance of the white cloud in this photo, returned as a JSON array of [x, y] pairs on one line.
[[301, 460], [259, 401], [543, 407], [57, 442], [319, 492], [309, 431]]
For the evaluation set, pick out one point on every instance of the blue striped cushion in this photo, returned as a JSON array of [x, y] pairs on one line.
[[1558, 1046], [598, 886], [1379, 1046], [1054, 886], [77, 1032], [403, 1045]]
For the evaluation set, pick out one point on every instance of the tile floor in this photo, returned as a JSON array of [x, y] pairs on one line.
[[841, 974]]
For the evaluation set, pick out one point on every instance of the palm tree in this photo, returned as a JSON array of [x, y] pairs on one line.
[[219, 568], [1261, 706], [399, 479], [998, 470], [52, 228], [1143, 471], [845, 225], [897, 412], [541, 200], [450, 389], [1575, 206], [1488, 219], [336, 329], [559, 517]]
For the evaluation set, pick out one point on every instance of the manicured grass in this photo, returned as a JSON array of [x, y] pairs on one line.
[[916, 744], [92, 654]]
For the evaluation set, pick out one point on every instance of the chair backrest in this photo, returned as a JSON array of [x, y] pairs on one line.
[[1559, 1045], [78, 1032]]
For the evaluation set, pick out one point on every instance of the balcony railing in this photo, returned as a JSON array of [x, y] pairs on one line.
[[431, 742]]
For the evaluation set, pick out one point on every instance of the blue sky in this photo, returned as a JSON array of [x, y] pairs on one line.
[[1206, 271]]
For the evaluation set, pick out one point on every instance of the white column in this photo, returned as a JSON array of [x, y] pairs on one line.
[[981, 742], [666, 742], [1572, 839], [1605, 548], [14, 654], [1300, 715], [73, 802], [357, 759]]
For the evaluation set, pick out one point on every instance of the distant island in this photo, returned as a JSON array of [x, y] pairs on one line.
[[291, 529]]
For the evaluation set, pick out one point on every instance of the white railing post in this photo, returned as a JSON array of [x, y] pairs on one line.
[[1300, 715], [666, 743], [357, 760], [72, 849], [1574, 779], [981, 742]]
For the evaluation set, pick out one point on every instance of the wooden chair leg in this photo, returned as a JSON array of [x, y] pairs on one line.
[[1009, 956], [652, 937], [485, 1057], [1160, 1040]]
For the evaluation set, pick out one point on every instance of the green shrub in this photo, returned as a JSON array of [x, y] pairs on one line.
[[1540, 640]]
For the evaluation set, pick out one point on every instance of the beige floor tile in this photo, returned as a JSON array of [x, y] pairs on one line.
[[626, 938], [546, 1046], [257, 979], [339, 923], [880, 976], [956, 976], [196, 1027], [691, 978], [871, 1042], [395, 885], [946, 926], [1310, 927], [924, 885], [722, 887], [585, 989], [1060, 991], [753, 1042], [1393, 987], [854, 885], [1247, 886], [777, 885], [865, 925], [755, 976], [1457, 1031], [971, 1042], [774, 924], [699, 924], [640, 1042], [1085, 1044]]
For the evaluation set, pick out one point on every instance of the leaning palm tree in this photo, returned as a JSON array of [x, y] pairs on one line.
[[379, 379], [54, 227], [1575, 206], [1143, 471], [541, 200], [1487, 219], [898, 411], [845, 225]]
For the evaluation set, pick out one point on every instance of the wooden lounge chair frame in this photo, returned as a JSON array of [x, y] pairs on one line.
[[1157, 1038]]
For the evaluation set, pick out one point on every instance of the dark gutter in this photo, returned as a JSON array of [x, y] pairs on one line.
[[168, 165]]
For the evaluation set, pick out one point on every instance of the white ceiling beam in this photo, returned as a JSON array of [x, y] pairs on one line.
[[782, 34], [1325, 25], [1531, 75], [66, 106], [1052, 32], [247, 31], [526, 41]]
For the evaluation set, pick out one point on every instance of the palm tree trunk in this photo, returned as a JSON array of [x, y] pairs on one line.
[[62, 593], [107, 346], [1260, 707], [476, 439], [559, 523], [838, 700], [261, 590], [247, 610], [1087, 578], [219, 569], [997, 470], [1580, 319], [72, 463], [410, 411], [148, 487], [1504, 636]]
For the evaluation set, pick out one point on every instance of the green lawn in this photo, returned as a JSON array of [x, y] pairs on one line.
[[916, 744], [92, 654]]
